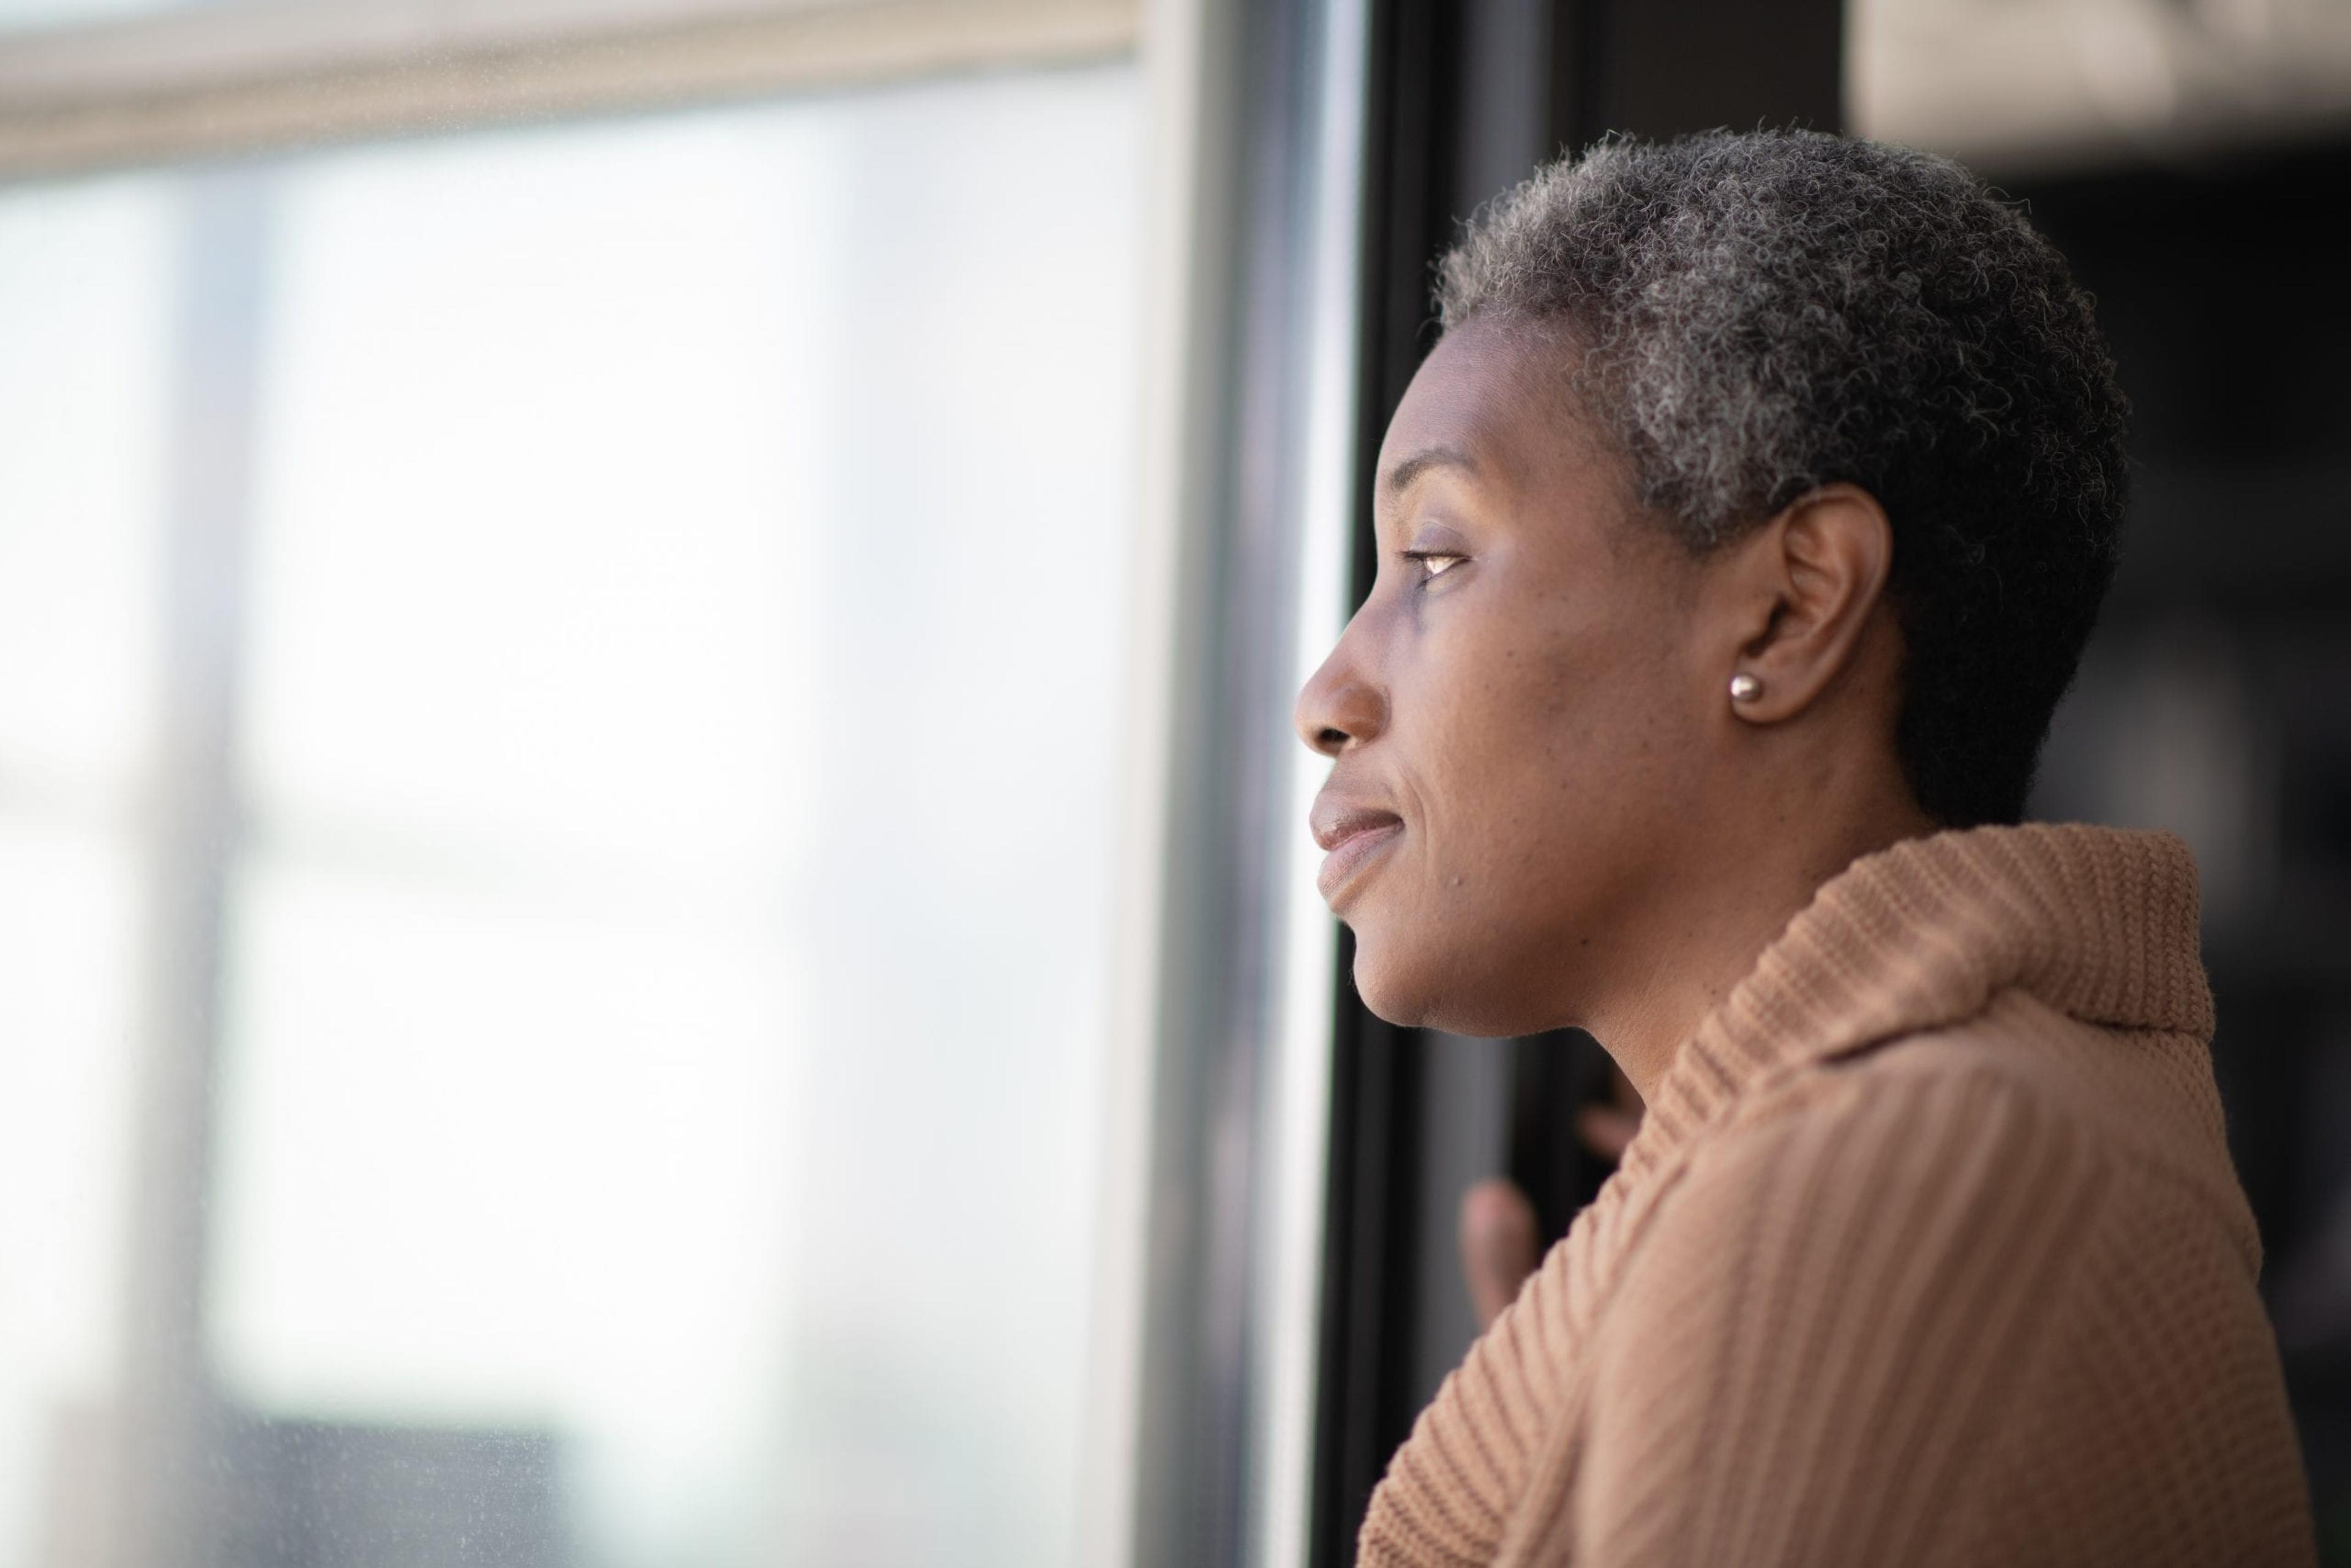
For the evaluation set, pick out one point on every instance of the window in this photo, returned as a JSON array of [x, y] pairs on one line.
[[580, 670], [651, 871]]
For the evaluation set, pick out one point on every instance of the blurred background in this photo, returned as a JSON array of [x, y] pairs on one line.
[[652, 895]]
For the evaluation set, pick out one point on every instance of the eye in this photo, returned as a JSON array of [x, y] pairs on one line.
[[1433, 563]]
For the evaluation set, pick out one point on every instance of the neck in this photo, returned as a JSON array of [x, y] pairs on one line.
[[1712, 914]]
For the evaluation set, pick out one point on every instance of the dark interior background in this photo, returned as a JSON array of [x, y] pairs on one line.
[[2213, 699]]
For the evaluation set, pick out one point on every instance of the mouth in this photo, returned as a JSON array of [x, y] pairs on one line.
[[1352, 838]]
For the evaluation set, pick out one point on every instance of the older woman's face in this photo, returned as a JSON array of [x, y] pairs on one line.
[[1517, 713]]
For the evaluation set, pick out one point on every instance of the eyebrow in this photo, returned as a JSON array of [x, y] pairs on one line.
[[1400, 477]]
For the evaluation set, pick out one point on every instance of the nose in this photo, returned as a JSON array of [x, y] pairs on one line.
[[1339, 707]]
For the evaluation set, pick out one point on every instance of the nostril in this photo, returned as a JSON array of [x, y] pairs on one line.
[[1337, 710]]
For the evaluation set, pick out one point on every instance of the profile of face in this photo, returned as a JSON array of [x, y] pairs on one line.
[[1524, 713]]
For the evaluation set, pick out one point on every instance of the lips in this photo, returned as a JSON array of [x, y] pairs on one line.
[[1352, 835]]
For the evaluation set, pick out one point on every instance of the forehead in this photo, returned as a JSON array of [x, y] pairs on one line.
[[1496, 396]]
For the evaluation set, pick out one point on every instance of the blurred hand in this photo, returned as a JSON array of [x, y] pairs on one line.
[[1605, 1126], [1501, 1245]]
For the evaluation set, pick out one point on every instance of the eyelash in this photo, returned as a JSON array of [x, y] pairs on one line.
[[1422, 558]]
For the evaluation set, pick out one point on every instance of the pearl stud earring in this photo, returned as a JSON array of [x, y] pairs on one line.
[[1745, 689]]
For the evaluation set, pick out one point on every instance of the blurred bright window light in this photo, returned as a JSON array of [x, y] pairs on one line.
[[665, 921], [85, 302], [30, 16]]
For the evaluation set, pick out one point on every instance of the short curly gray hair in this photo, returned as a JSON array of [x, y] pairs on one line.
[[1757, 315]]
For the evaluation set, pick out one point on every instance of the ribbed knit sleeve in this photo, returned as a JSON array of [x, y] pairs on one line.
[[1819, 1338]]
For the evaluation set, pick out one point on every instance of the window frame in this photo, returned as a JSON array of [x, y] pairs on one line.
[[267, 75]]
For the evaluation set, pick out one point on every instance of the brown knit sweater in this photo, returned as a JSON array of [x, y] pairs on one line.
[[1928, 1253]]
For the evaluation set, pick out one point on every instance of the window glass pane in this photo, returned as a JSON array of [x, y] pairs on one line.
[[664, 865], [85, 308], [68, 914], [502, 1163], [541, 420], [86, 300]]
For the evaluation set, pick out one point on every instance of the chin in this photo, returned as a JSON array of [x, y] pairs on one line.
[[1439, 991]]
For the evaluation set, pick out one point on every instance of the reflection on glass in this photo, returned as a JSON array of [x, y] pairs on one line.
[[663, 887]]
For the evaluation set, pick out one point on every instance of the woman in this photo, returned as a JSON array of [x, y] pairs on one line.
[[1737, 540]]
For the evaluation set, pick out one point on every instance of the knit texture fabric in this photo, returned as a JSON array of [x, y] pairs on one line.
[[1929, 1251]]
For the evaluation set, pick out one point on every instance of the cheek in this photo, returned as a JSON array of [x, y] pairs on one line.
[[1562, 757], [1540, 789]]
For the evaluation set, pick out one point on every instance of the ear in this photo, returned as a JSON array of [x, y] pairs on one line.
[[1798, 594]]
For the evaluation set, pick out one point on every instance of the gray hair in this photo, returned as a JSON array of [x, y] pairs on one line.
[[1753, 315]]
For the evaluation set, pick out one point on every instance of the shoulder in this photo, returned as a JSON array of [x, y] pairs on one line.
[[1835, 1305], [1956, 1107], [2018, 1123], [2019, 1093], [1911, 1153], [1894, 1285]]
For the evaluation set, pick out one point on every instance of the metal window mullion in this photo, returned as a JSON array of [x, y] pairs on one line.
[[1237, 1084], [171, 1419]]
